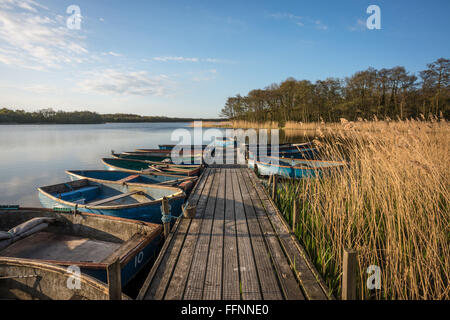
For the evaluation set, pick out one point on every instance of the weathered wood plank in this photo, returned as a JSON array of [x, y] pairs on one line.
[[248, 274], [267, 278], [213, 280], [303, 270], [288, 283], [180, 275], [156, 282], [196, 276], [230, 289]]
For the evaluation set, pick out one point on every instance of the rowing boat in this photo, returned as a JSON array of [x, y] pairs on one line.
[[88, 241], [184, 147], [105, 176], [28, 279], [293, 168], [146, 167], [136, 201], [168, 158]]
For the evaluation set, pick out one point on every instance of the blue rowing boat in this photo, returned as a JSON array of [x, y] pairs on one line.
[[131, 201], [293, 168], [121, 177], [88, 241], [301, 153], [155, 157], [146, 167], [184, 147]]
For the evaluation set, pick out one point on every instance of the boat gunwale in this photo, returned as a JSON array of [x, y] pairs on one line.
[[50, 267], [71, 173], [186, 171], [183, 167], [154, 230], [180, 194], [338, 164]]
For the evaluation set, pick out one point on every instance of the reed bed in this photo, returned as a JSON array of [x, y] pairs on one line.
[[390, 204]]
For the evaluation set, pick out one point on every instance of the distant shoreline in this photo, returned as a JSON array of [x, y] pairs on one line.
[[94, 123]]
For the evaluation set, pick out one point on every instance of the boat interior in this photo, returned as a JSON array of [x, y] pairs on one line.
[[90, 193], [79, 239]]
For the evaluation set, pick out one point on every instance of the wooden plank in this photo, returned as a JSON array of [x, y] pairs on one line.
[[248, 274], [230, 290], [288, 283], [110, 199], [114, 280], [268, 281], [196, 276], [125, 248], [177, 284], [312, 285], [133, 176], [156, 282], [213, 280]]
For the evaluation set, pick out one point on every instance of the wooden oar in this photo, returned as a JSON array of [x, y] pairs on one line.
[[176, 180], [154, 168]]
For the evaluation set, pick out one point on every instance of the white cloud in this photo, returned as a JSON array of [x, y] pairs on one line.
[[28, 5], [184, 59], [299, 20], [37, 42], [112, 53], [206, 75], [39, 89], [320, 25], [179, 59], [101, 19], [360, 25], [111, 81]]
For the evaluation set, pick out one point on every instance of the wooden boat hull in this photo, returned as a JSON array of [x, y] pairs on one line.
[[140, 167], [295, 168], [103, 239], [35, 280], [306, 153], [185, 147], [113, 176], [158, 158], [85, 193]]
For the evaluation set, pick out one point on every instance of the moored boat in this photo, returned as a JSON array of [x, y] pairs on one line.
[[87, 241], [168, 158], [146, 167], [293, 168], [105, 176], [184, 147], [27, 279], [303, 153], [136, 201]]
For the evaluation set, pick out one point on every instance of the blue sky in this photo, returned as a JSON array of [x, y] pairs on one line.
[[184, 58]]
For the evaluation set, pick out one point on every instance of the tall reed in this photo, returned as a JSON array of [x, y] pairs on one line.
[[390, 204]]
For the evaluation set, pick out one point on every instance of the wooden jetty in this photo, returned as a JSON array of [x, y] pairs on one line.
[[237, 246]]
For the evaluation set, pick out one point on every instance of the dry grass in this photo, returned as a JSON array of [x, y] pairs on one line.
[[390, 204]]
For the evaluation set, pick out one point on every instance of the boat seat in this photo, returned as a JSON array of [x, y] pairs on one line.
[[86, 193], [132, 177], [110, 199]]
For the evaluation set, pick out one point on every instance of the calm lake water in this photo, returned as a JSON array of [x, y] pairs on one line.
[[37, 155]]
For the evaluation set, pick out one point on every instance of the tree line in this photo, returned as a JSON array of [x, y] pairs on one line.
[[387, 93], [78, 117]]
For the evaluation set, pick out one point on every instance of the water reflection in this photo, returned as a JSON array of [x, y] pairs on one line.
[[37, 155]]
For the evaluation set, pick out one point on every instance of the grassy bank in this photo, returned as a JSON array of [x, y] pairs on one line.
[[390, 204]]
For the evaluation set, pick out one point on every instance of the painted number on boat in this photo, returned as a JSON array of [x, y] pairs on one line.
[[138, 258]]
